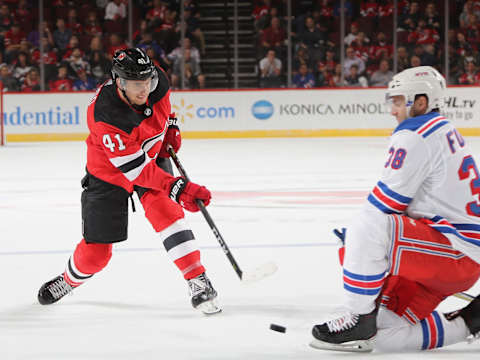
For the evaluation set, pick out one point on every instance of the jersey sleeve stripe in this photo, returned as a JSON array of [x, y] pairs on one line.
[[120, 160], [396, 196], [380, 206], [437, 126], [135, 163], [135, 172]]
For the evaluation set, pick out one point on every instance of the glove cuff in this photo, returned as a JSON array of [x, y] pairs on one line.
[[177, 188], [173, 121]]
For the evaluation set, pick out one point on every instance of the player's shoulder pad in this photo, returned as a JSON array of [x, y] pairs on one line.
[[162, 87], [110, 109]]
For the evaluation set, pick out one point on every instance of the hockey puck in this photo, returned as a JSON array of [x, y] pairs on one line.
[[278, 328]]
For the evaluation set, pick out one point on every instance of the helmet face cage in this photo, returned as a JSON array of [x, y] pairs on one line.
[[421, 80], [133, 64]]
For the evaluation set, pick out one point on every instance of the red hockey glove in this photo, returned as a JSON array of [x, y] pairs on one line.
[[172, 137], [185, 193]]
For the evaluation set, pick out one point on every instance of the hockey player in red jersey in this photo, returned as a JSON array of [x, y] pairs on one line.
[[130, 127], [416, 240]]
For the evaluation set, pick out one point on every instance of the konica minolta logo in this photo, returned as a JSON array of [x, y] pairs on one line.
[[262, 109]]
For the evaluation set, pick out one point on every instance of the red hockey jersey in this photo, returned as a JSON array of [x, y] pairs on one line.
[[124, 142]]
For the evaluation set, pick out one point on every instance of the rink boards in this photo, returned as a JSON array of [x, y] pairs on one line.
[[51, 116]]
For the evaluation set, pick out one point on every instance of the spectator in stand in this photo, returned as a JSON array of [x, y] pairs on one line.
[[463, 48], [403, 61], [301, 57], [193, 29], [381, 49], [314, 39], [166, 33], [354, 79], [159, 59], [274, 37], [455, 65], [193, 76], [84, 82], [156, 16], [9, 82], [470, 76], [352, 59], [77, 63], [72, 22], [61, 36], [6, 19], [21, 67], [468, 9], [423, 34], [415, 61], [260, 14], [116, 10], [12, 40], [23, 15], [177, 52], [382, 76], [61, 82], [270, 71], [323, 78], [470, 29], [116, 43], [32, 81], [96, 44], [73, 43], [304, 78], [34, 36], [49, 59], [352, 35], [147, 41], [337, 76], [412, 16], [369, 9], [361, 47], [92, 24], [141, 30], [431, 17], [429, 57], [330, 61], [385, 8], [100, 66]]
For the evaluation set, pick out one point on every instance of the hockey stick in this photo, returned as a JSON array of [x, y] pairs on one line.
[[251, 276], [464, 296]]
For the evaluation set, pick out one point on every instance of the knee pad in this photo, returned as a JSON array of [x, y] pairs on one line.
[[90, 258]]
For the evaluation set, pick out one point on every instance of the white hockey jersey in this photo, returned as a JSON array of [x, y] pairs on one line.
[[431, 174]]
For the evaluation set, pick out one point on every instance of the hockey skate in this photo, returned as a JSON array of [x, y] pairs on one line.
[[53, 290], [202, 295], [349, 332], [471, 315]]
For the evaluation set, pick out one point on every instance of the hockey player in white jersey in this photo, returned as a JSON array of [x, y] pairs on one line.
[[417, 239]]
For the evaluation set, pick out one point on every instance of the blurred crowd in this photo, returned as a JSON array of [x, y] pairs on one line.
[[79, 39], [369, 55]]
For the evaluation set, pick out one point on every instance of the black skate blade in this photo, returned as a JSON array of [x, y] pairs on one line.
[[349, 346], [259, 273]]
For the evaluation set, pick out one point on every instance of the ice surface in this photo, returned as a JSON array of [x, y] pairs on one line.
[[274, 200]]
